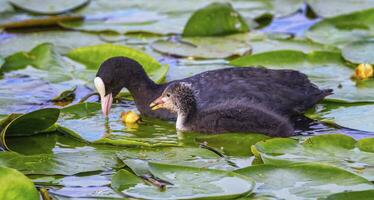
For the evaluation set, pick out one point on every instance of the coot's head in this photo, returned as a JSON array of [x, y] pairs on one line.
[[178, 97], [114, 74]]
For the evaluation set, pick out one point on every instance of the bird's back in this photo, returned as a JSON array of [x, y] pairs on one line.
[[284, 91]]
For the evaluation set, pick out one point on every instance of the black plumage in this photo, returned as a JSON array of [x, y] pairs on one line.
[[274, 93]]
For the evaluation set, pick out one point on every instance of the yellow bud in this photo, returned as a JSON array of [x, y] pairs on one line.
[[364, 71], [130, 117]]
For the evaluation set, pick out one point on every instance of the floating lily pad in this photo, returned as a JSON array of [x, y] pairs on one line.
[[48, 7], [362, 195], [326, 69], [124, 179], [30, 123], [15, 185], [137, 159], [335, 149], [63, 163], [63, 41], [192, 183], [40, 57], [162, 27], [359, 52], [343, 29], [26, 21], [5, 7], [334, 8], [274, 44], [303, 181], [205, 47], [233, 144], [93, 56], [86, 122], [215, 19], [357, 117]]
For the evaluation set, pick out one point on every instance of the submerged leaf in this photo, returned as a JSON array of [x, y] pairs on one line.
[[16, 186], [215, 19], [303, 181], [335, 149]]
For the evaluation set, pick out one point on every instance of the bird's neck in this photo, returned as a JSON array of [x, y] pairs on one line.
[[185, 116], [144, 91], [181, 121]]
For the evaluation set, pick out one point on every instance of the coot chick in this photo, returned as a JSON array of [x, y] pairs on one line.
[[235, 115], [285, 92]]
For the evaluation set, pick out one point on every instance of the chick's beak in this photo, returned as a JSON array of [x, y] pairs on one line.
[[157, 104], [106, 99]]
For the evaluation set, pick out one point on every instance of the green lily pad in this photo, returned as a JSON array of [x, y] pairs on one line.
[[192, 183], [93, 56], [334, 8], [359, 52], [86, 122], [30, 123], [40, 57], [160, 27], [65, 96], [335, 149], [362, 195], [27, 21], [16, 186], [343, 29], [326, 69], [5, 7], [215, 19], [357, 117], [267, 44], [124, 179], [231, 143], [48, 7], [63, 163], [63, 41], [137, 159], [2, 61], [205, 47], [303, 181]]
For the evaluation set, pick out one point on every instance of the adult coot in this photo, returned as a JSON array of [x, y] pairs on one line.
[[284, 93]]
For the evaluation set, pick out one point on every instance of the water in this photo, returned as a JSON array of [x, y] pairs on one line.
[[24, 94]]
